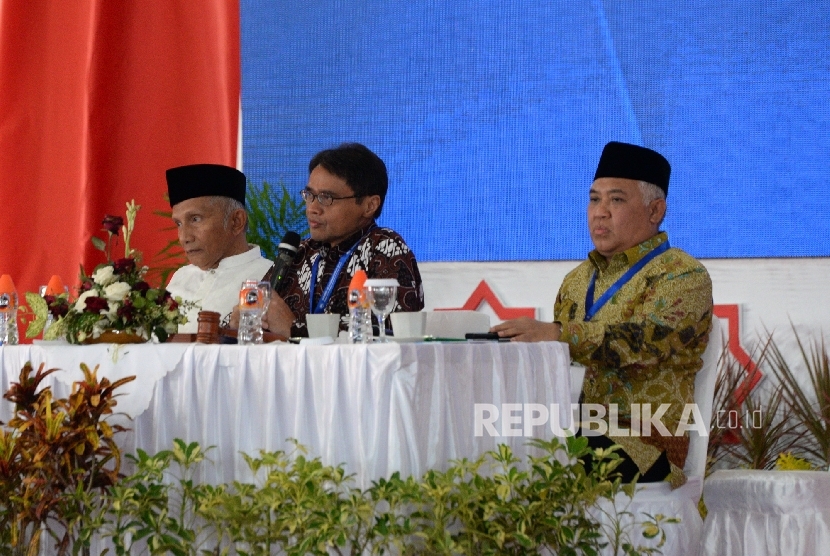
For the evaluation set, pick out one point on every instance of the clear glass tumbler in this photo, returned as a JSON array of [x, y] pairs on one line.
[[383, 293]]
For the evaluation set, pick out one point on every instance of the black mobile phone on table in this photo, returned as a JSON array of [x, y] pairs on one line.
[[491, 336]]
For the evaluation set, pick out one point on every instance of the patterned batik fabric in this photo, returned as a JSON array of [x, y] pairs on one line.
[[644, 345], [382, 253]]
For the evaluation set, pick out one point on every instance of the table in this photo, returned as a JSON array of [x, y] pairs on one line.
[[378, 409], [767, 513]]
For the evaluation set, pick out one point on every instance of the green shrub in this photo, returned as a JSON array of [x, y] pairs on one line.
[[59, 475]]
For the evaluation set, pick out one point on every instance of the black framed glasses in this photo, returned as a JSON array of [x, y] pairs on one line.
[[325, 199]]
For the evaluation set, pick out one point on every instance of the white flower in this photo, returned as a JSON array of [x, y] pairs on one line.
[[112, 310], [103, 275], [116, 291], [80, 305]]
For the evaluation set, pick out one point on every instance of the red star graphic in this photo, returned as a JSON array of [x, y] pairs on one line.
[[483, 293], [733, 342]]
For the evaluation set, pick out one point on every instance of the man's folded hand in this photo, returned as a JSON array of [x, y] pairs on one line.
[[524, 329]]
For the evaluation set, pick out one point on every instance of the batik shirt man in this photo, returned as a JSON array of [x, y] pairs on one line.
[[645, 344], [381, 253]]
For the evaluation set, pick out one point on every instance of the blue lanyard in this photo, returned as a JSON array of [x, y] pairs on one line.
[[592, 308], [329, 289]]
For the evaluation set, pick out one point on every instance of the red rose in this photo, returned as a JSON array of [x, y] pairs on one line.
[[112, 224], [167, 299], [141, 287], [126, 311], [95, 304], [86, 285], [123, 266], [57, 306]]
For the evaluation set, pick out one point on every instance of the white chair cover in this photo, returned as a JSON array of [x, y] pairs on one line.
[[684, 538]]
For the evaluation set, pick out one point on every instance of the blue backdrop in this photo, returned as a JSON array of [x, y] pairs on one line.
[[491, 115]]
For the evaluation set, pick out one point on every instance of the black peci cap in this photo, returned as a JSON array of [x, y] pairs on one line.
[[205, 180], [623, 160]]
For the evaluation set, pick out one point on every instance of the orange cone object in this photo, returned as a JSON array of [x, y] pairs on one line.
[[6, 284], [357, 282], [55, 286]]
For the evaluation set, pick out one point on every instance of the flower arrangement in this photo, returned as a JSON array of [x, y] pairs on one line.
[[114, 298]]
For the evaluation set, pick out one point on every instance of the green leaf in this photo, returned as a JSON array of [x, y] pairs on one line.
[[41, 310], [271, 213], [99, 243], [524, 540], [56, 331], [161, 334], [651, 530]]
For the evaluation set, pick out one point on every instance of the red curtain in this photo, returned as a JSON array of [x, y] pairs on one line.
[[97, 100]]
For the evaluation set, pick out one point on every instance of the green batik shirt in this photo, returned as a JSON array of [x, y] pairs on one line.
[[645, 344]]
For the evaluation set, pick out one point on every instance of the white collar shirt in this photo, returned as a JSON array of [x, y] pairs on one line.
[[216, 289]]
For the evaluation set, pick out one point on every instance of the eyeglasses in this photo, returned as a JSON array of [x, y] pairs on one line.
[[325, 199]]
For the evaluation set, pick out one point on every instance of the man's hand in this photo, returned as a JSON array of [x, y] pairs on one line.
[[524, 329], [278, 319]]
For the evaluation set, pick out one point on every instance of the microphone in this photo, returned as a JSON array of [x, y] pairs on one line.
[[286, 251]]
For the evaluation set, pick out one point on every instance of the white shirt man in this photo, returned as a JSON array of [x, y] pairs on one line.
[[208, 202]]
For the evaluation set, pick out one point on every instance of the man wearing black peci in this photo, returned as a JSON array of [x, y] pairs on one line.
[[636, 314], [208, 208]]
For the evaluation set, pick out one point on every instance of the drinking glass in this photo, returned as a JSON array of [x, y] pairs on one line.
[[382, 295]]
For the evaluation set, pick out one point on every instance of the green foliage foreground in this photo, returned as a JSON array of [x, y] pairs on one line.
[[58, 481]]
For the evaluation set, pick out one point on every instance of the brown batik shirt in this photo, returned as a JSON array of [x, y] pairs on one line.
[[382, 253]]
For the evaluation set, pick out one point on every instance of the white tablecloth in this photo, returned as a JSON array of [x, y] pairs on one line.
[[377, 408], [767, 513], [149, 363]]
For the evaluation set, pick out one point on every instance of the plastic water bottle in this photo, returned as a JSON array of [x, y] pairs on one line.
[[251, 304], [250, 327], [360, 314], [8, 318], [360, 317]]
